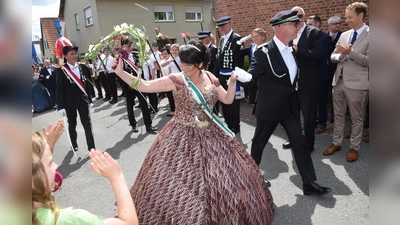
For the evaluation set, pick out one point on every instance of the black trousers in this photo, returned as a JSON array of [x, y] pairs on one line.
[[84, 116], [308, 106], [112, 82], [231, 112], [98, 87], [130, 102], [153, 100], [322, 98], [104, 83], [171, 100], [301, 154]]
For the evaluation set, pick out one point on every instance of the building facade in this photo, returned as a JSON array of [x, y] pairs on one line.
[[90, 20], [251, 14]]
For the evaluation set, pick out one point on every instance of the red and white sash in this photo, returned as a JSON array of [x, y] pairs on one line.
[[75, 78], [132, 65]]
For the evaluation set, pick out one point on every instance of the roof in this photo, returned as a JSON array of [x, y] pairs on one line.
[[49, 31]]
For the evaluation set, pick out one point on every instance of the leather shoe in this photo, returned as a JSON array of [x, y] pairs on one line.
[[122, 95], [235, 130], [113, 101], [75, 149], [321, 129], [286, 145], [332, 149], [99, 97], [134, 129], [151, 129], [352, 156], [314, 189], [267, 182], [106, 99]]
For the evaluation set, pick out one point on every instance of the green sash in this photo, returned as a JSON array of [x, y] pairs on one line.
[[198, 96]]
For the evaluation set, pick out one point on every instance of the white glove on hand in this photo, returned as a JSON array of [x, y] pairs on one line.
[[62, 112], [90, 106], [243, 39], [243, 76], [48, 77]]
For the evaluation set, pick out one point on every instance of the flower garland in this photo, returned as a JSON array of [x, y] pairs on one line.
[[137, 35]]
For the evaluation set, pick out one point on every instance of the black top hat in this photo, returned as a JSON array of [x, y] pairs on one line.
[[203, 34], [223, 20], [284, 16], [66, 49]]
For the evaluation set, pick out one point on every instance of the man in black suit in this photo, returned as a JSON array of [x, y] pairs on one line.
[[322, 75], [72, 95], [229, 57], [307, 46], [334, 23], [205, 38], [48, 78], [130, 93], [277, 99]]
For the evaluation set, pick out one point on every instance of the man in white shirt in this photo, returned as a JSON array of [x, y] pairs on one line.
[[102, 74], [111, 76]]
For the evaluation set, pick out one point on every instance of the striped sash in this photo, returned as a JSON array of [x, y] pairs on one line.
[[198, 96]]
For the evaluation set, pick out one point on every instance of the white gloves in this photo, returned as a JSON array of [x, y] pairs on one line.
[[243, 40], [48, 77], [90, 106], [62, 112], [243, 76]]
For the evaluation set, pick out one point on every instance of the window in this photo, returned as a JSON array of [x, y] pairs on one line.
[[77, 21], [193, 13], [163, 13], [88, 16]]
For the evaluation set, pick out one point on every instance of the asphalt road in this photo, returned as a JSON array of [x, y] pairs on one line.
[[83, 188]]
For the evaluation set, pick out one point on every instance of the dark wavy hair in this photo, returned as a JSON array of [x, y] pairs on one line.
[[195, 53]]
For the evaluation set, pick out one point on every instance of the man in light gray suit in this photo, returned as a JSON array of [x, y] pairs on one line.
[[351, 80]]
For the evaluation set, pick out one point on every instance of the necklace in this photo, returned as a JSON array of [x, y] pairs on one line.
[[207, 97]]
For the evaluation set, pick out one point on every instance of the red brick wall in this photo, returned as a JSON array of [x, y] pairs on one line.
[[249, 14]]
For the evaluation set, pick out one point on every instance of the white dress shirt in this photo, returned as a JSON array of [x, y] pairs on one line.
[[296, 40], [75, 69], [288, 57]]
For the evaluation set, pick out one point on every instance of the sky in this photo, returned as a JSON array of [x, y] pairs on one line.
[[42, 8]]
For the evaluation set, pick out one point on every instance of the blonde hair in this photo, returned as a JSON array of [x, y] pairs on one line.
[[41, 192], [261, 32], [359, 7]]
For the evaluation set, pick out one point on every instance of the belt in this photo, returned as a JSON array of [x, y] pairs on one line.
[[225, 72]]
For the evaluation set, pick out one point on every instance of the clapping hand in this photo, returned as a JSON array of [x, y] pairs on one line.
[[105, 165]]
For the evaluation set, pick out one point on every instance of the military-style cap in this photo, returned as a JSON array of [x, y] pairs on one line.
[[284, 16], [66, 49], [223, 20], [203, 34], [125, 41], [106, 49], [154, 44]]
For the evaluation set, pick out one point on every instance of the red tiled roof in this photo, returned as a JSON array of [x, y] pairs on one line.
[[49, 30]]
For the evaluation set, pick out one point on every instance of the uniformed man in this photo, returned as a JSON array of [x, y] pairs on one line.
[[229, 57], [205, 37]]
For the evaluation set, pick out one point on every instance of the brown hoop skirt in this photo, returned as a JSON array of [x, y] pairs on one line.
[[199, 176]]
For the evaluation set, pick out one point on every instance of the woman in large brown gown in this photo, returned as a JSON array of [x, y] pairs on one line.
[[195, 172]]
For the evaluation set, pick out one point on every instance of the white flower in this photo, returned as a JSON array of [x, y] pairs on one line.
[[124, 25], [117, 28]]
